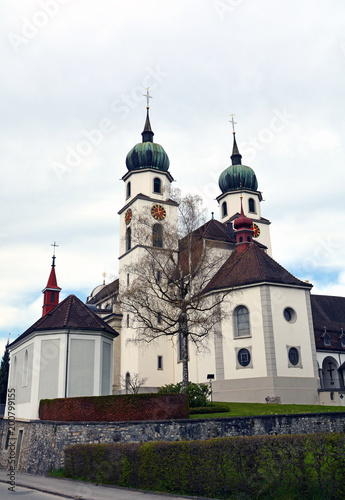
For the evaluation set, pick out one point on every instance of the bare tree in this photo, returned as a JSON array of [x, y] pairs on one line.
[[166, 294], [132, 384]]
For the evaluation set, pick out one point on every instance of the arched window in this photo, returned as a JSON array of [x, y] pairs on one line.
[[128, 190], [128, 239], [251, 204], [52, 298], [157, 235], [241, 317], [157, 185], [224, 209], [26, 368]]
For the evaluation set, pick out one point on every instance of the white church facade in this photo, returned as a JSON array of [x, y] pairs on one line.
[[267, 344], [274, 339]]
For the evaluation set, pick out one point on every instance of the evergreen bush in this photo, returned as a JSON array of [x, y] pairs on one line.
[[198, 394]]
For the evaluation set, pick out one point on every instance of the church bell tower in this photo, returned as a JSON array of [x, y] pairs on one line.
[[239, 181]]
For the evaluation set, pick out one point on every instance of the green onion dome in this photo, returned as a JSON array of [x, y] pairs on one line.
[[237, 176], [147, 154]]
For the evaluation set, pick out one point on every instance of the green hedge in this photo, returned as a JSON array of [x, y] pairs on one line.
[[260, 467], [111, 408]]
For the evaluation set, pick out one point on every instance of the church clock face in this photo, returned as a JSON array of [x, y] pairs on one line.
[[128, 216], [158, 212], [256, 230]]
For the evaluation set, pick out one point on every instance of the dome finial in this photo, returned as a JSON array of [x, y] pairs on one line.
[[236, 158], [147, 133]]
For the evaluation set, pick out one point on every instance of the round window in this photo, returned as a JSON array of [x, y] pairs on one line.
[[290, 315], [243, 357], [293, 356]]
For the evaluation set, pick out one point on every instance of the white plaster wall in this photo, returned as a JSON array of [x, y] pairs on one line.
[[29, 409], [140, 233], [233, 200], [142, 182], [293, 334], [249, 297]]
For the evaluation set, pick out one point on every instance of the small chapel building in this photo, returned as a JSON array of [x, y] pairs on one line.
[[67, 352]]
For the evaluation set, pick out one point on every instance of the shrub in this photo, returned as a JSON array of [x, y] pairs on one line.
[[198, 394], [260, 467], [126, 407]]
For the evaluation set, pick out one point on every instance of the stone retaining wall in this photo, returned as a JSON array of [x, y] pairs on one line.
[[43, 442]]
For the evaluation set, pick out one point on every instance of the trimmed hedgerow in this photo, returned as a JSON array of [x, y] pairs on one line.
[[260, 467], [127, 407]]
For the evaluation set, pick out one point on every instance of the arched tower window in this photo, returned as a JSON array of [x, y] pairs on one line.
[[52, 298], [251, 205], [26, 368], [157, 185], [224, 209], [241, 319], [157, 235], [128, 193], [128, 239]]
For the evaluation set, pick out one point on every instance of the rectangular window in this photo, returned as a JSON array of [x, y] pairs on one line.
[[127, 279], [159, 362], [127, 320]]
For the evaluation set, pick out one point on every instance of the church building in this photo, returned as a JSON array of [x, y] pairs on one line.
[[273, 340]]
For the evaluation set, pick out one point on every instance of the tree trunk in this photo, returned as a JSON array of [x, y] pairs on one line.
[[185, 377]]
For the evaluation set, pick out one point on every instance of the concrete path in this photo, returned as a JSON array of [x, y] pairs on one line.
[[69, 488]]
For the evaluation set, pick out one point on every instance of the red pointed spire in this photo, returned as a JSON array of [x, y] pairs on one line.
[[51, 291], [244, 232]]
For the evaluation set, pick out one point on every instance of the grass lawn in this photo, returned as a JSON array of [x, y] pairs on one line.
[[255, 409]]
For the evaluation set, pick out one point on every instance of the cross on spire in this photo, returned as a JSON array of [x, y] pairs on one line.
[[232, 121], [148, 97], [54, 245]]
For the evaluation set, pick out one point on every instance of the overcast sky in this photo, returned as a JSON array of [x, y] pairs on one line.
[[73, 74]]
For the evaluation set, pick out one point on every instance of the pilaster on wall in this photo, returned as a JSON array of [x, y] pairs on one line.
[[311, 333], [268, 331]]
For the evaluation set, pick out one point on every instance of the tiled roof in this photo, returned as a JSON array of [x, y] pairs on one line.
[[250, 267], [328, 311], [70, 313], [105, 292], [213, 231]]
